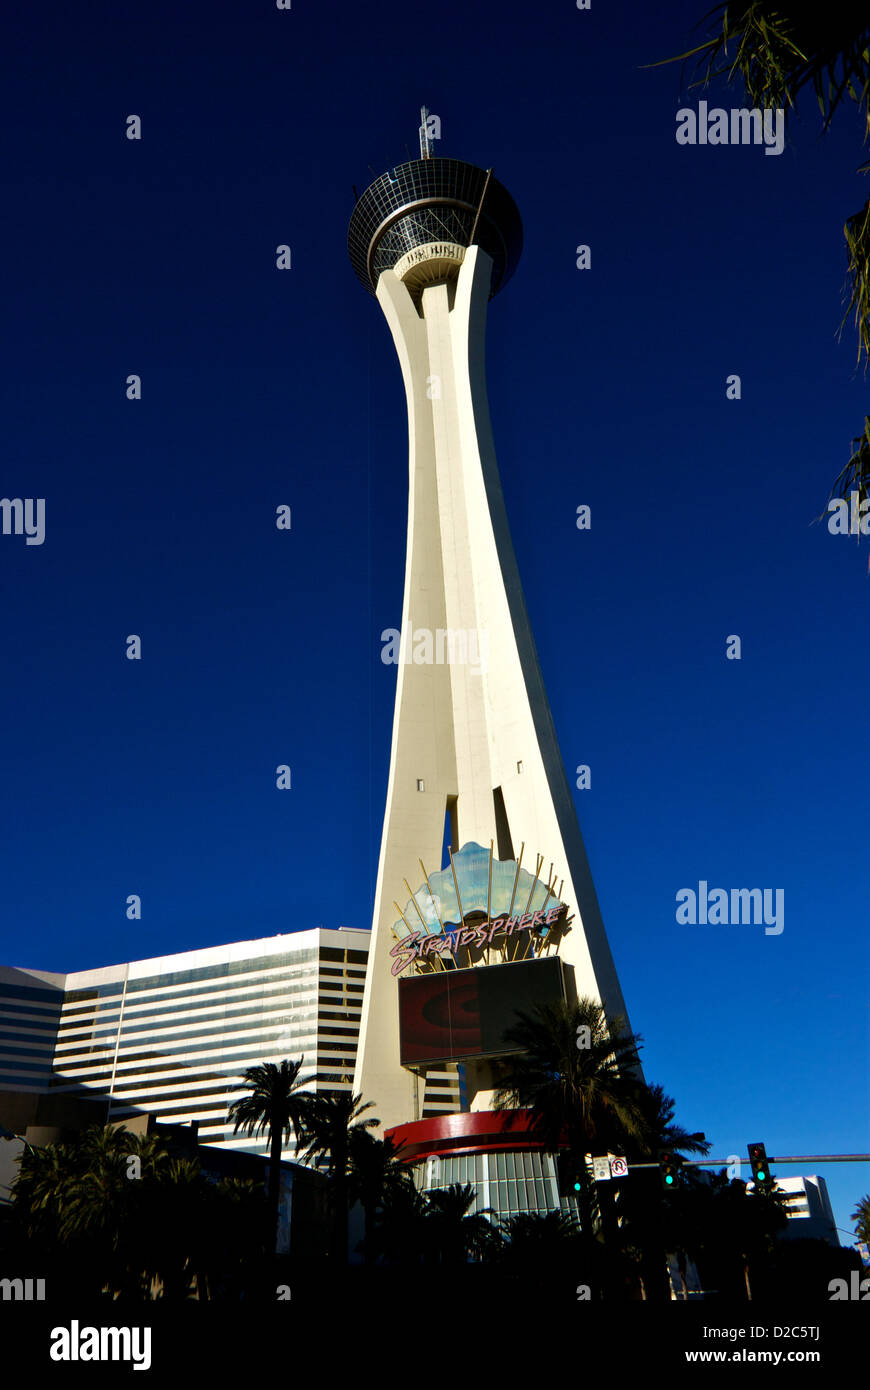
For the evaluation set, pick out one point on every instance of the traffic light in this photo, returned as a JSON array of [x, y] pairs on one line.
[[669, 1167], [568, 1175], [760, 1168]]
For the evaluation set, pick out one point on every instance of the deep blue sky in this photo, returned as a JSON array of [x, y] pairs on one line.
[[262, 387]]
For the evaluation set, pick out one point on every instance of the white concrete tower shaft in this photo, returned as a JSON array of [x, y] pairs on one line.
[[472, 732]]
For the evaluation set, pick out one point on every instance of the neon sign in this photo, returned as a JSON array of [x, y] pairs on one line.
[[420, 945]]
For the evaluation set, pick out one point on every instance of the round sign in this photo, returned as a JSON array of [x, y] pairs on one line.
[[618, 1168]]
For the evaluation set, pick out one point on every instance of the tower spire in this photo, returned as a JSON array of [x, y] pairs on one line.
[[425, 142]]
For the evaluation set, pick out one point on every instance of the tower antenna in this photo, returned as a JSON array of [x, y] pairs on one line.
[[480, 205], [425, 143]]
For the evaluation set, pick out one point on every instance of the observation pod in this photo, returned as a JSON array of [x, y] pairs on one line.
[[420, 218]]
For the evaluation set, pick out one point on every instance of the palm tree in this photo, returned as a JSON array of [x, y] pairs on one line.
[[234, 1241], [455, 1233], [376, 1172], [150, 1149], [77, 1201], [40, 1189], [778, 50], [187, 1215], [330, 1121], [276, 1103], [163, 1230], [199, 1236], [585, 1094], [861, 1219], [550, 1250], [543, 1231], [652, 1223], [738, 1229], [101, 1208], [401, 1233], [662, 1132]]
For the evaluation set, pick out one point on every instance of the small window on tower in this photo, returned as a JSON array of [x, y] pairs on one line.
[[420, 786], [519, 767]]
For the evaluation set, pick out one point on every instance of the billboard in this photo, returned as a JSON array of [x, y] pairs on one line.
[[451, 1015]]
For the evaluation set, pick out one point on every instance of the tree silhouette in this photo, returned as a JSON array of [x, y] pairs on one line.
[[276, 1104], [585, 1097], [453, 1232], [861, 1219], [330, 1122], [375, 1174]]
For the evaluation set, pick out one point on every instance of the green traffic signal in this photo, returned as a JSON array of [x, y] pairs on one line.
[[569, 1181], [758, 1163], [668, 1166]]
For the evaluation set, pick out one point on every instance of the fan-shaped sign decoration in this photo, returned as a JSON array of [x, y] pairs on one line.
[[475, 907]]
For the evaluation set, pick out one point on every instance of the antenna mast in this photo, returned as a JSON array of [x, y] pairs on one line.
[[425, 143]]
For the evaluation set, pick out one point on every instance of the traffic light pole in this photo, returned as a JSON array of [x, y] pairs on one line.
[[732, 1159]]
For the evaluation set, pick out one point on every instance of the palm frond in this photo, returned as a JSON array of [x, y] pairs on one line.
[[778, 52], [584, 1092], [276, 1101], [855, 477], [857, 234]]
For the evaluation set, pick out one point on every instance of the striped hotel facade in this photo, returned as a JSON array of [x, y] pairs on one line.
[[172, 1036]]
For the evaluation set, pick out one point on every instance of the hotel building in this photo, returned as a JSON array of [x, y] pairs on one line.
[[808, 1208], [172, 1036]]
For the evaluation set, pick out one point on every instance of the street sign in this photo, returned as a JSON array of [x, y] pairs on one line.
[[601, 1169], [618, 1168]]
